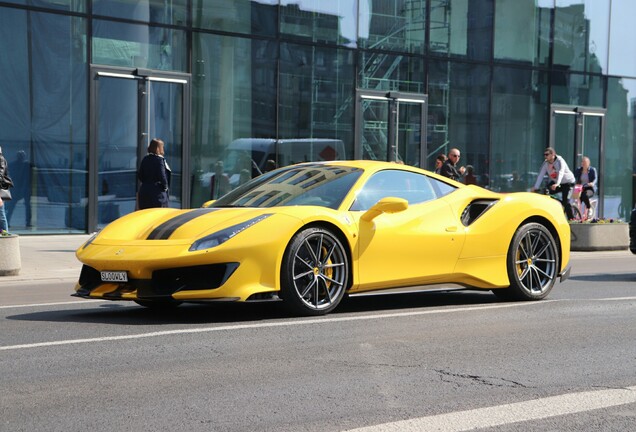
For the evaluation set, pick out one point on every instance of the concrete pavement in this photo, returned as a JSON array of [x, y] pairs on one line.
[[48, 258]]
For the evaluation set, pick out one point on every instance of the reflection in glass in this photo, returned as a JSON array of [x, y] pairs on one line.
[[380, 71], [154, 11], [398, 25], [581, 31], [528, 46], [462, 28], [622, 53], [319, 20], [166, 122], [138, 46], [316, 93], [375, 123], [117, 132], [234, 97], [256, 17], [409, 131], [43, 126], [620, 148], [64, 5], [577, 89], [518, 117]]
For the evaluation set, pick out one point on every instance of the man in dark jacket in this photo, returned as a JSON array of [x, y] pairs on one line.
[[449, 169]]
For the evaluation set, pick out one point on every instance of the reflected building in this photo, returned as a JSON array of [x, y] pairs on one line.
[[87, 84]]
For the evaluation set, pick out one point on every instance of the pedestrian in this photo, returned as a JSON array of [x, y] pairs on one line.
[[154, 175], [585, 175], [5, 195], [21, 175], [560, 178], [439, 161], [449, 168]]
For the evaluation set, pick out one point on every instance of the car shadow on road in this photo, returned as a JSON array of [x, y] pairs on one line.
[[120, 313]]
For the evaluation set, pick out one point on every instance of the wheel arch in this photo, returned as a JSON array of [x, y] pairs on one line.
[[341, 237], [550, 227]]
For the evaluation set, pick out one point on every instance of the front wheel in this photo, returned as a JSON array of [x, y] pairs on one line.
[[315, 272], [532, 263]]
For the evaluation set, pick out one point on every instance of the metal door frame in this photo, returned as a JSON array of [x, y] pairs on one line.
[[142, 77], [580, 112], [393, 98]]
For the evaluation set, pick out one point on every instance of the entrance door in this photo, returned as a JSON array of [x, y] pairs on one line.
[[130, 107], [576, 132], [389, 126]]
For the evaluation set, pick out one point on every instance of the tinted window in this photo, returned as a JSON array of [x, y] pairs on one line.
[[413, 187]]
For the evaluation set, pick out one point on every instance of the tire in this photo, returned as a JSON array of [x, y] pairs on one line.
[[159, 305], [532, 264], [314, 273]]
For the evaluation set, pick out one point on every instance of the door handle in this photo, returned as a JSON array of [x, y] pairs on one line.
[[451, 229]]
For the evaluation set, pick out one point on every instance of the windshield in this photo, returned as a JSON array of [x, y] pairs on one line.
[[306, 184]]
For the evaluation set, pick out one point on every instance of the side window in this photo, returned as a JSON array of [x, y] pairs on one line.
[[440, 187], [413, 187]]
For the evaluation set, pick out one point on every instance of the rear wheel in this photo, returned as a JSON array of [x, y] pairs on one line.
[[314, 273], [532, 262]]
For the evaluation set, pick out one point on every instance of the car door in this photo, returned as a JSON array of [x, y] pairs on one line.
[[417, 245]]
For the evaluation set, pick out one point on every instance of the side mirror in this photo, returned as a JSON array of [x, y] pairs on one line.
[[207, 204], [385, 205]]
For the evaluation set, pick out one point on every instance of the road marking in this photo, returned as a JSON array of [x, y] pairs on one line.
[[294, 323], [535, 409], [77, 302]]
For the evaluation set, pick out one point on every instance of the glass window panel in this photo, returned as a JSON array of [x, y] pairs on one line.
[[234, 98], [581, 32], [577, 89], [518, 118], [257, 17], [154, 11], [622, 53], [380, 71], [620, 149], [316, 94], [397, 25], [65, 5], [526, 46], [320, 21], [43, 130], [138, 46], [459, 113], [462, 28]]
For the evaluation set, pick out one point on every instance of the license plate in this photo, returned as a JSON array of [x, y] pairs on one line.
[[114, 276]]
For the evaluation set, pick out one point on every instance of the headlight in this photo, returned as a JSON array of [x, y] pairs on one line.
[[224, 235], [89, 241]]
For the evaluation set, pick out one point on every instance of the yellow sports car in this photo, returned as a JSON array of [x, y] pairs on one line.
[[311, 233]]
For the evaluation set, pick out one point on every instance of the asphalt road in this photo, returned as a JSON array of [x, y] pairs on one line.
[[448, 362]]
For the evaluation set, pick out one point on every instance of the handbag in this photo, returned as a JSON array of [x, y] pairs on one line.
[[5, 195]]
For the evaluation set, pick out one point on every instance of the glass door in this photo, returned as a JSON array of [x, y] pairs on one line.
[[129, 109], [576, 132], [389, 127]]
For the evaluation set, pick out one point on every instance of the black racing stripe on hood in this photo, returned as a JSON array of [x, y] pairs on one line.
[[165, 230]]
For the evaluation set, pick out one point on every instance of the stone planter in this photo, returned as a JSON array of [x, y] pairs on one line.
[[599, 236], [10, 262]]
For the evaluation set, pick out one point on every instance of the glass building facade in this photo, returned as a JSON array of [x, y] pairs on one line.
[[231, 84]]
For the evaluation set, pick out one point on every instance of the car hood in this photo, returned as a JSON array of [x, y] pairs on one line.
[[175, 224]]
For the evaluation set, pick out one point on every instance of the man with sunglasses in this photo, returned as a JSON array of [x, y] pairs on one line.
[[561, 179], [449, 168]]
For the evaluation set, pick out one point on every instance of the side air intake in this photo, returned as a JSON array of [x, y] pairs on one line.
[[475, 209]]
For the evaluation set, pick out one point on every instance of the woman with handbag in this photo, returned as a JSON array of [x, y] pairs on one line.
[[5, 195]]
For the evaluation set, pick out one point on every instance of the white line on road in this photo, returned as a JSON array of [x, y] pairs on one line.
[[535, 409], [267, 325], [76, 302]]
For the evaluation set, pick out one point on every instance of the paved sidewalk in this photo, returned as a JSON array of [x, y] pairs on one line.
[[48, 257]]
